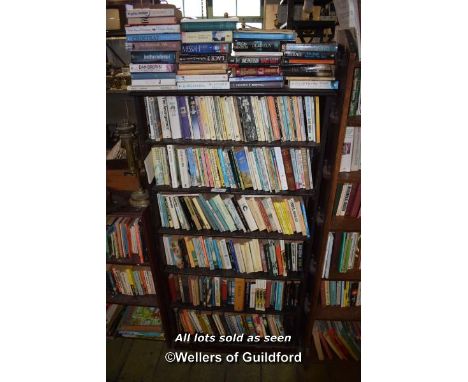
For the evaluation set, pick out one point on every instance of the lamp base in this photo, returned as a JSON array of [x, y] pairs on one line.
[[139, 199]]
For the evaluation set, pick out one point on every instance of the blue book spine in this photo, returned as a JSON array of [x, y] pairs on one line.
[[218, 214], [152, 76], [233, 255], [332, 293], [153, 57], [217, 254], [242, 163], [209, 251], [256, 78], [154, 37], [227, 182], [264, 36], [208, 26], [206, 48], [208, 214], [184, 118], [305, 218], [312, 47], [194, 117], [192, 166]]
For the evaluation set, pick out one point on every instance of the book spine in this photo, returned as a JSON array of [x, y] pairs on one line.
[[202, 85], [256, 71], [202, 77], [210, 58], [204, 26], [257, 45], [159, 46], [256, 78], [154, 37], [145, 12], [332, 85], [254, 60], [148, 29], [153, 82], [257, 84], [135, 68], [311, 47], [205, 48], [241, 35], [153, 57], [316, 55], [207, 36]]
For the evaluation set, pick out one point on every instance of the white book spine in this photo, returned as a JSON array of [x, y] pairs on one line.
[[247, 213], [149, 29], [172, 166], [183, 168], [207, 36], [174, 117], [154, 81], [281, 171], [164, 116], [172, 211], [146, 12], [356, 153], [345, 165], [143, 68], [151, 87], [311, 84], [247, 258], [255, 250], [225, 255], [211, 85]]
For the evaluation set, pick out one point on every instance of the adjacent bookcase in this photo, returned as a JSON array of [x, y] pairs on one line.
[[331, 223], [148, 244], [328, 105]]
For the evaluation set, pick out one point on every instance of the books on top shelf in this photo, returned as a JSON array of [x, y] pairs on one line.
[[236, 118], [342, 253], [340, 293], [237, 293], [275, 257], [355, 103], [141, 322], [261, 169], [206, 44], [340, 339], [223, 324], [260, 47], [310, 66], [128, 280], [348, 200], [153, 39], [351, 151], [124, 238], [229, 213]]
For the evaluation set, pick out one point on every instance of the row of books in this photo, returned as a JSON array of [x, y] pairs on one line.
[[340, 339], [340, 293], [310, 65], [351, 153], [127, 280], [348, 200], [240, 118], [145, 26], [275, 257], [223, 324], [264, 169], [141, 322], [342, 253], [233, 213], [355, 103], [124, 239], [240, 293]]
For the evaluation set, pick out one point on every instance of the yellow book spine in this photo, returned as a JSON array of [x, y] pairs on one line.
[[220, 170], [131, 280], [190, 250], [279, 215], [200, 212]]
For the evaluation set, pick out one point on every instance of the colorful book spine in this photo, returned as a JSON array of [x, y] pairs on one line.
[[154, 37], [206, 48]]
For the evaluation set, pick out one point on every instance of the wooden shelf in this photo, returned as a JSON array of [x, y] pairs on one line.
[[121, 299], [345, 223], [229, 92], [244, 235], [230, 309], [232, 274], [348, 276], [133, 262], [336, 313], [220, 143], [349, 177], [354, 121], [230, 191]]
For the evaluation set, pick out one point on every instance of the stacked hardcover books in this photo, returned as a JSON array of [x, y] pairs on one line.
[[256, 58], [310, 66], [206, 44], [141, 322], [153, 39]]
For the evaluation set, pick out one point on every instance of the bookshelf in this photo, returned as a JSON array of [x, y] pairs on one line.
[[337, 224], [146, 230], [295, 325]]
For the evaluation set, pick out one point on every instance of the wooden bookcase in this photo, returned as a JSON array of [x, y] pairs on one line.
[[328, 105], [330, 223]]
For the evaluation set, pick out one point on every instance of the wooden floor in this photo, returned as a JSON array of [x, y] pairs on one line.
[[131, 360]]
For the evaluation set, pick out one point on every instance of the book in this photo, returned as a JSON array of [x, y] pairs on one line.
[[134, 68], [333, 47], [265, 34], [153, 57], [154, 37], [203, 85], [332, 85], [149, 29], [159, 46], [162, 10], [201, 77], [206, 48], [166, 20], [220, 24], [207, 36], [347, 149]]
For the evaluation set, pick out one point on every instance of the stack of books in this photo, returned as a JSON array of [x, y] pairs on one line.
[[310, 66], [206, 44], [230, 214], [153, 39], [223, 324], [256, 58], [271, 169], [141, 322], [342, 338], [275, 257], [238, 293], [239, 118]]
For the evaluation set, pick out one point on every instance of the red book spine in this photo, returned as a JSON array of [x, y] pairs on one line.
[[356, 207], [264, 214], [288, 169], [224, 291], [172, 287], [267, 294], [256, 71]]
